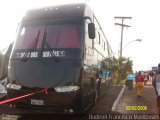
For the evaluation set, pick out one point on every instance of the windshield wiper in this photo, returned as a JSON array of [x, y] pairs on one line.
[[36, 40], [50, 49], [44, 42]]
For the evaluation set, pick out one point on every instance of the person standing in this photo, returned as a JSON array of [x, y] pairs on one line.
[[139, 84], [154, 82], [145, 78], [156, 85]]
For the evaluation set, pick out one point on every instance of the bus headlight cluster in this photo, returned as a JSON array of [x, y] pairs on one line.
[[66, 88], [14, 86]]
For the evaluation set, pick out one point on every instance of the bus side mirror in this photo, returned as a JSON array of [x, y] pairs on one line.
[[91, 30]]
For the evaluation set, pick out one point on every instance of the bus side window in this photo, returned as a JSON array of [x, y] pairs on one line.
[[97, 38]]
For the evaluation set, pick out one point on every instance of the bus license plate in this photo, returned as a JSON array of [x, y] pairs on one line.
[[37, 102]]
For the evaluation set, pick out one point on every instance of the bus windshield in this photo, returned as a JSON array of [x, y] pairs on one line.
[[52, 34]]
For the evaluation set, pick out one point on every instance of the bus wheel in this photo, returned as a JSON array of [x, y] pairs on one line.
[[79, 105]]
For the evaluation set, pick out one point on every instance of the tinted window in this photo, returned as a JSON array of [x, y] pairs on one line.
[[63, 36], [54, 33], [30, 37]]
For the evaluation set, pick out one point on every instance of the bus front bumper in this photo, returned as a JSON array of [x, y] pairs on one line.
[[49, 102]]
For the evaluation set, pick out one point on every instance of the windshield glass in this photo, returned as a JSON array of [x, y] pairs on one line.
[[30, 37], [50, 34], [63, 36]]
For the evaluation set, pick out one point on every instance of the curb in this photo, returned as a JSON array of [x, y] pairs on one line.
[[117, 99]]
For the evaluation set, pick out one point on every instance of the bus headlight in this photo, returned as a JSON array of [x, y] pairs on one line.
[[66, 88], [14, 86]]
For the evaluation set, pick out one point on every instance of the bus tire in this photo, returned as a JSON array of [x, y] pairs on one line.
[[79, 104]]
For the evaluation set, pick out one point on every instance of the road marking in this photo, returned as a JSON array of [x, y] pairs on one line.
[[118, 98]]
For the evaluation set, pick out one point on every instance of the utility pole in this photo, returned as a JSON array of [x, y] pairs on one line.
[[122, 26], [121, 45]]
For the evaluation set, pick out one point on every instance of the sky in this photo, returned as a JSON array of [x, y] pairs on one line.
[[144, 24]]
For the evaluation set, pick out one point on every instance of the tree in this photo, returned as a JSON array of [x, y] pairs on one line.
[[119, 67], [126, 66]]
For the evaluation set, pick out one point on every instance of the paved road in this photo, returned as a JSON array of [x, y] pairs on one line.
[[130, 98]]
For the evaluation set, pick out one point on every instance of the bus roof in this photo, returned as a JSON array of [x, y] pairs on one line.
[[67, 10]]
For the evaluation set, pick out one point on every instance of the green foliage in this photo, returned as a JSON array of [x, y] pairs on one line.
[[119, 68]]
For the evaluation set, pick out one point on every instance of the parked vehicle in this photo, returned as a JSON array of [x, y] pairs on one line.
[[60, 48]]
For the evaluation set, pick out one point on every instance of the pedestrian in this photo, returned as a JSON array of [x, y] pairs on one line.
[[151, 75], [156, 85], [145, 78], [139, 84], [154, 82]]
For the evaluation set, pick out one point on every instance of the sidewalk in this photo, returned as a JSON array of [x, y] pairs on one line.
[[129, 98], [104, 105]]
